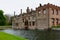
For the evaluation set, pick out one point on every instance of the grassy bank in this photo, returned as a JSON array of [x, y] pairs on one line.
[[5, 27], [5, 36]]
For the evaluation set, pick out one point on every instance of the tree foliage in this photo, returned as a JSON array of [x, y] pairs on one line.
[[2, 18]]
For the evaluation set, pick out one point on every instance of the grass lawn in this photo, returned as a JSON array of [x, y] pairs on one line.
[[5, 36]]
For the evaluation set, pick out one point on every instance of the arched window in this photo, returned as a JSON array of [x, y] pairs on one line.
[[53, 21], [56, 12], [26, 22], [39, 13], [52, 11], [45, 11], [57, 21], [30, 23]]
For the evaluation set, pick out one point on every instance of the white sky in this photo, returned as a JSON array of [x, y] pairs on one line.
[[9, 6]]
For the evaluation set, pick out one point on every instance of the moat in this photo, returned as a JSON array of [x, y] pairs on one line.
[[35, 34]]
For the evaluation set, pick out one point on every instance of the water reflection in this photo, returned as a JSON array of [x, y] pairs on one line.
[[36, 34]]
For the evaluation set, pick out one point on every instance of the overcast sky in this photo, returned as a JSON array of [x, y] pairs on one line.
[[9, 6]]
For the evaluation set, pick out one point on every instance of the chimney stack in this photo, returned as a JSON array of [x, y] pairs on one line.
[[27, 10], [14, 13], [40, 5], [31, 9], [21, 11]]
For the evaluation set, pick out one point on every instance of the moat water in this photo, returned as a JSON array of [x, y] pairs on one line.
[[35, 34]]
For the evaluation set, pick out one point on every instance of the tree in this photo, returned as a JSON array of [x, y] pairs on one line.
[[8, 19], [10, 22], [2, 18]]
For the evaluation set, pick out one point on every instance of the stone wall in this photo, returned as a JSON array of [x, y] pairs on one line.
[[42, 22], [55, 15]]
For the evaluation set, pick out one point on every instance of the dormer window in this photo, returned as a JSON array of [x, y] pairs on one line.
[[45, 11]]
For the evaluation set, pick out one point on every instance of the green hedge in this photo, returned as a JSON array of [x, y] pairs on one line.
[[55, 26]]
